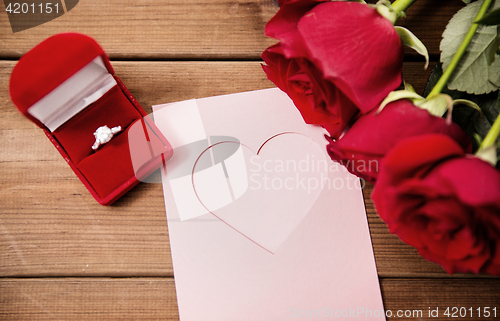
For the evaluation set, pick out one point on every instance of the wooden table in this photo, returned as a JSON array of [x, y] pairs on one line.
[[63, 256]]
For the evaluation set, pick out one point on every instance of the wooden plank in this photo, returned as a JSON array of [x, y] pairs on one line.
[[422, 294], [161, 82], [154, 298], [88, 299], [206, 29], [51, 226], [157, 29]]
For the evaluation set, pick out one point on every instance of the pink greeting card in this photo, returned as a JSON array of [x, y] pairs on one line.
[[262, 224]]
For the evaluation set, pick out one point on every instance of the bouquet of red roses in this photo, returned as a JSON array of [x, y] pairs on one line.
[[435, 175]]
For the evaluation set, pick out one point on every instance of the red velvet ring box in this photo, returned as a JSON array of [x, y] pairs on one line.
[[67, 87]]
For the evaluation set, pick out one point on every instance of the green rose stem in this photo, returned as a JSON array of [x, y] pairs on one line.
[[492, 135], [401, 5], [460, 52]]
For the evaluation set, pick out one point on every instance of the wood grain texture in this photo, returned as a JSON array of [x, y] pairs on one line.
[[65, 257], [154, 298], [201, 29], [51, 226], [88, 299]]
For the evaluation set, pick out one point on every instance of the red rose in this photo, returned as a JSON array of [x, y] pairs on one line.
[[443, 202], [363, 146], [333, 59], [318, 100]]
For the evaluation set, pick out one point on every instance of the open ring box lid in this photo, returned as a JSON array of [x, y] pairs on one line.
[[67, 87]]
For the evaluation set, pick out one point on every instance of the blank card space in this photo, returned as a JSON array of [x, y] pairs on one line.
[[211, 188], [181, 122]]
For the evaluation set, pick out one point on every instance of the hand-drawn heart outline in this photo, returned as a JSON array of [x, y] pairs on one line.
[[258, 154]]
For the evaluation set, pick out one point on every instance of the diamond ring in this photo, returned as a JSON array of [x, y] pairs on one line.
[[104, 134]]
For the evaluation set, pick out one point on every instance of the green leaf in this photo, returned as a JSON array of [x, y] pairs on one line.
[[478, 139], [465, 102], [398, 95], [409, 87], [410, 40], [491, 51], [473, 74], [436, 105], [492, 18], [475, 123], [488, 155], [385, 9]]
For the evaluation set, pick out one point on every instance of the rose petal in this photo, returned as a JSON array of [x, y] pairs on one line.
[[283, 26], [359, 51], [373, 135], [318, 101], [416, 152], [457, 221], [473, 181]]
